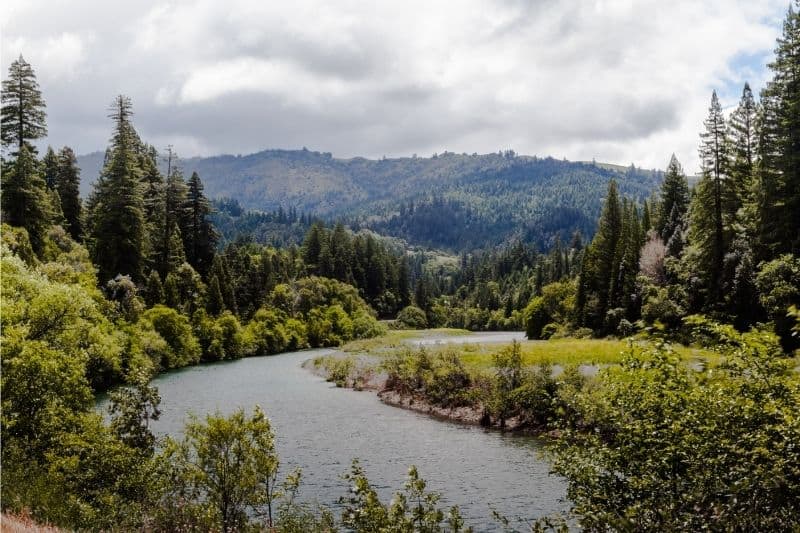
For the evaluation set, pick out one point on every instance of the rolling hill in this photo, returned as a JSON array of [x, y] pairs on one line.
[[451, 201]]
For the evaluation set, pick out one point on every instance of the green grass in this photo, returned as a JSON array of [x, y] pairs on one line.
[[557, 352], [396, 339], [569, 352]]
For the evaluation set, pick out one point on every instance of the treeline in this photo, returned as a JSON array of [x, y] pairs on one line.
[[727, 248], [147, 242], [530, 199], [280, 228], [363, 260], [488, 290]]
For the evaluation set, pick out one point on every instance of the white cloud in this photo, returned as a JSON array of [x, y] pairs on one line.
[[615, 80]]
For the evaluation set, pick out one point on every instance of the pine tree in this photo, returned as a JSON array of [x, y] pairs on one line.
[[154, 205], [674, 200], [742, 139], [312, 247], [779, 146], [154, 291], [118, 225], [403, 283], [50, 167], [341, 254], [221, 270], [707, 224], [170, 249], [215, 303], [25, 202], [23, 117], [67, 184], [199, 236], [606, 243]]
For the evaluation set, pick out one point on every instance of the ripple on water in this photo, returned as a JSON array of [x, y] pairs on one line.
[[320, 429]]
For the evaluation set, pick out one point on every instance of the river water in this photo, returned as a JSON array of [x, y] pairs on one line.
[[321, 428]]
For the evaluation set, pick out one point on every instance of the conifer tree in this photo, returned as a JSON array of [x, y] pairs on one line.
[[707, 231], [50, 167], [674, 200], [606, 244], [118, 225], [170, 250], [199, 236], [779, 146], [22, 116], [312, 247], [221, 271], [153, 194], [403, 284], [742, 139], [67, 184], [215, 304], [25, 201], [154, 291]]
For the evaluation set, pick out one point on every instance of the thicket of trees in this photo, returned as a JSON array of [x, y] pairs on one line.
[[728, 248], [111, 291]]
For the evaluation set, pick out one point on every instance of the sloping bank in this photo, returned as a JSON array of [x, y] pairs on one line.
[[428, 376]]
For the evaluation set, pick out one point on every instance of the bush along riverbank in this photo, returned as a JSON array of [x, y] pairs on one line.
[[509, 396]]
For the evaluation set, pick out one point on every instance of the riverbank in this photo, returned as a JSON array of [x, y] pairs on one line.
[[320, 428], [452, 375]]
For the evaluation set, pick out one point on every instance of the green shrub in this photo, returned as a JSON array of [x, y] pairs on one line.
[[174, 328], [412, 317]]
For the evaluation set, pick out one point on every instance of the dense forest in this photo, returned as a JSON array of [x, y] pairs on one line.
[[145, 273], [449, 201]]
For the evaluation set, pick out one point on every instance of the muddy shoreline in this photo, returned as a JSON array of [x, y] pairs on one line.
[[371, 381]]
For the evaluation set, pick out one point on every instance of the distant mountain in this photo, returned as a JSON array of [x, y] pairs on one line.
[[452, 201]]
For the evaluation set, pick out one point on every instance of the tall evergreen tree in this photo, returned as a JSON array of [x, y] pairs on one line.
[[170, 250], [606, 243], [50, 167], [199, 236], [25, 201], [67, 184], [779, 146], [118, 225], [22, 116], [154, 205], [707, 224], [221, 270], [674, 200], [743, 139]]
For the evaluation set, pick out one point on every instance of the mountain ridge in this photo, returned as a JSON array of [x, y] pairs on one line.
[[490, 198]]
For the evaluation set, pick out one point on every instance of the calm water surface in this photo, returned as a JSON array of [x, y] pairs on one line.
[[321, 428]]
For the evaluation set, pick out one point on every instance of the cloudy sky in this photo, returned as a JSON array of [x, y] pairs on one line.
[[619, 81]]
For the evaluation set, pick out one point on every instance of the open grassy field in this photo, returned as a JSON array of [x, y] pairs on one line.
[[479, 355], [569, 352]]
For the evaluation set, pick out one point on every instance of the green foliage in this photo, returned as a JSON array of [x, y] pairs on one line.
[[23, 108], [221, 337], [175, 329], [67, 180], [413, 510], [778, 283], [228, 466], [660, 446], [412, 317], [554, 305], [25, 202], [199, 235], [117, 223]]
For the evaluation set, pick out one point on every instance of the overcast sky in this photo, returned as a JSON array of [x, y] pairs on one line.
[[619, 81]]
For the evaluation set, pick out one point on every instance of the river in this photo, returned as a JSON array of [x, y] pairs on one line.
[[321, 428]]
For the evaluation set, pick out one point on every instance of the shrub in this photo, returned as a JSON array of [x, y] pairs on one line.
[[412, 317], [174, 328]]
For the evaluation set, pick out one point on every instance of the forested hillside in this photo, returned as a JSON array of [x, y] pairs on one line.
[[452, 201]]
